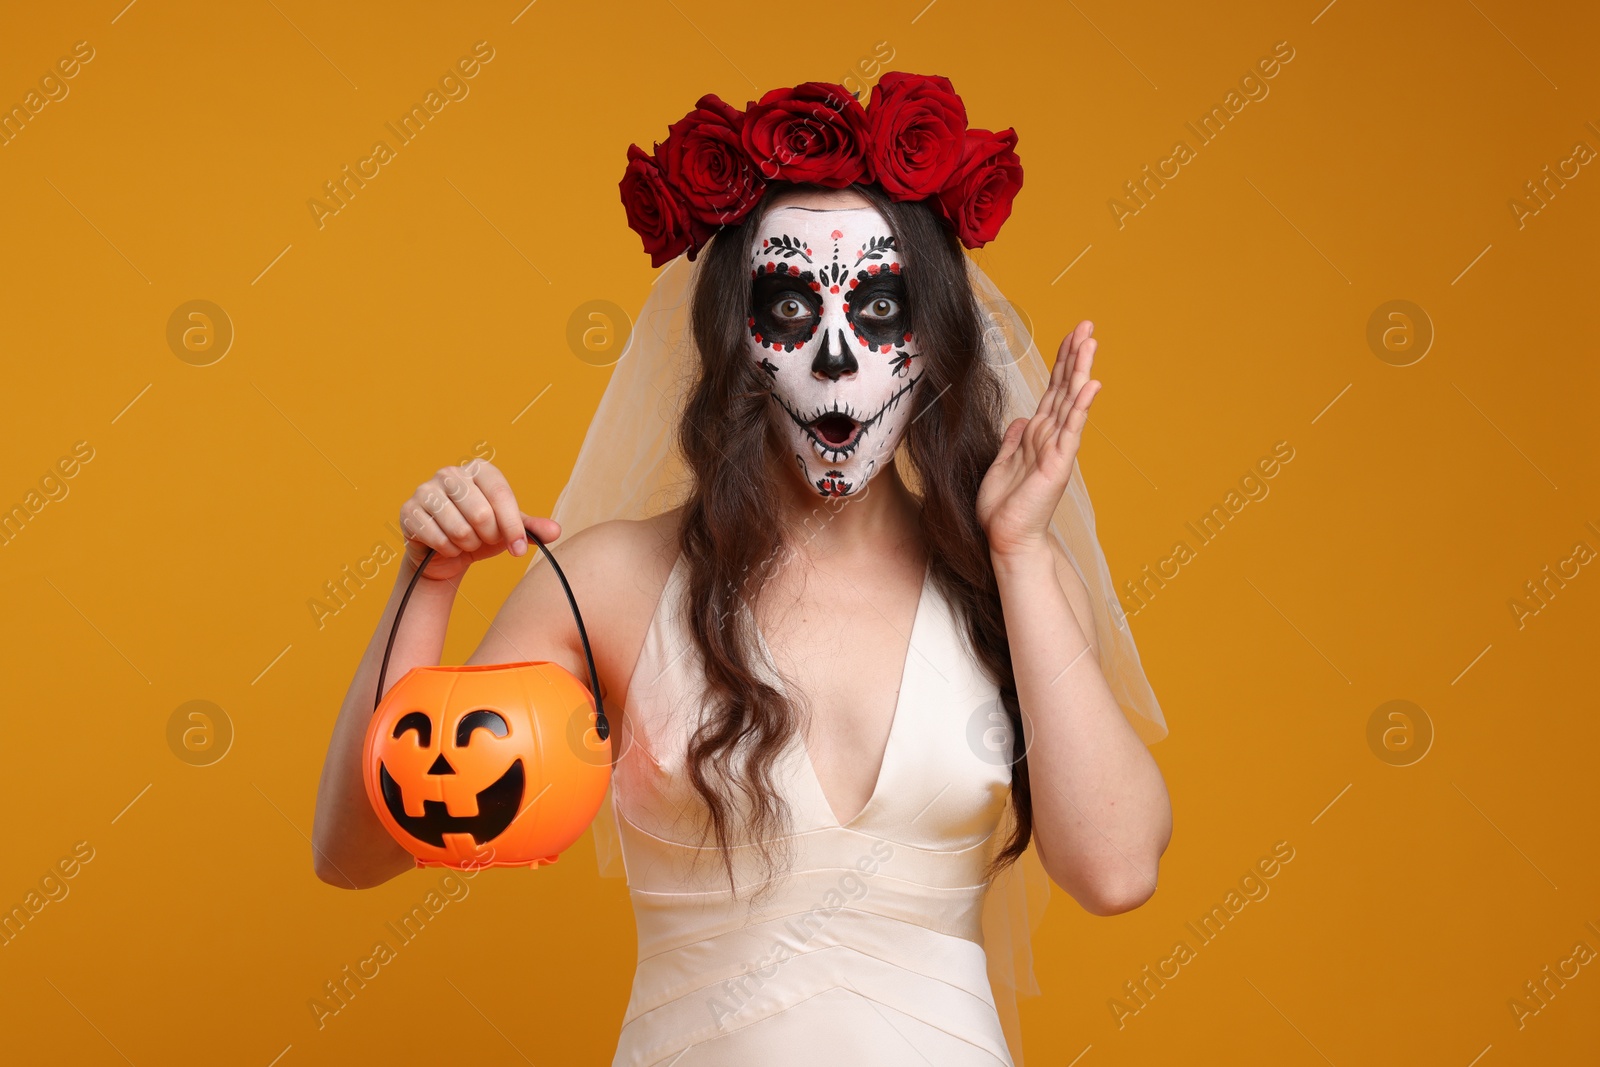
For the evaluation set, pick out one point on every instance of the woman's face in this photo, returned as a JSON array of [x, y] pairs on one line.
[[828, 324]]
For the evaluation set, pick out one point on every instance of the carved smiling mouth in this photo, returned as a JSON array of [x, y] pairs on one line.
[[837, 431], [497, 808]]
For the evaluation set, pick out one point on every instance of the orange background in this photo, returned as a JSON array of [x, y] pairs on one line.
[[429, 312]]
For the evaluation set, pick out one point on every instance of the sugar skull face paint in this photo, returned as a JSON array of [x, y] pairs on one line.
[[829, 324]]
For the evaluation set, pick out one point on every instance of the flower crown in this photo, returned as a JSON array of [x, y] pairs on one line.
[[911, 139]]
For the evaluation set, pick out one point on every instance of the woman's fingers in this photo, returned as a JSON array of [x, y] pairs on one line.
[[433, 498], [1066, 355], [419, 526], [468, 513], [1064, 375], [1082, 364], [1085, 361], [502, 502], [546, 530], [469, 499], [1011, 440], [1078, 416]]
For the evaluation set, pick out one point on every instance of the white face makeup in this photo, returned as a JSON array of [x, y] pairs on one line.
[[828, 323]]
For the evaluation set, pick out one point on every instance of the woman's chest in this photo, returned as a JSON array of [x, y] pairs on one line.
[[843, 649], [908, 740]]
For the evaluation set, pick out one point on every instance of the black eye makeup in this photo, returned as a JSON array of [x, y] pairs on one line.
[[784, 309], [878, 311]]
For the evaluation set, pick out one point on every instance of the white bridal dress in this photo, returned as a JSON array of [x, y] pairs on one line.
[[871, 948], [880, 942]]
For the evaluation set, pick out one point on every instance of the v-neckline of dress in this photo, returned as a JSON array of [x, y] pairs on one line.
[[894, 721]]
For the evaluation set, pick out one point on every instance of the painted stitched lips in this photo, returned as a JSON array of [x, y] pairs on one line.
[[838, 432]]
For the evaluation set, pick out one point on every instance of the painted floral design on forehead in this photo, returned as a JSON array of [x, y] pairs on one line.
[[830, 324]]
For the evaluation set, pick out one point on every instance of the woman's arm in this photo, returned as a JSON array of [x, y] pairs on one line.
[[350, 847], [1101, 815], [465, 514]]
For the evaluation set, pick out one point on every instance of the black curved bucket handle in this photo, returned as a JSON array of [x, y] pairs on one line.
[[601, 725]]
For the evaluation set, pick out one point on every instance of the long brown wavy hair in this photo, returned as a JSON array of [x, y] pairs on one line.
[[731, 542]]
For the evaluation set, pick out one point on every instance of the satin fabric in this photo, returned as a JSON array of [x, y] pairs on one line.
[[868, 949]]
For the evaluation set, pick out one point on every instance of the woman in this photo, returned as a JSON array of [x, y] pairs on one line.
[[807, 658]]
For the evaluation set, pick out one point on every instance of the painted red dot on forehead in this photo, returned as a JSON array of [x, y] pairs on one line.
[[837, 234]]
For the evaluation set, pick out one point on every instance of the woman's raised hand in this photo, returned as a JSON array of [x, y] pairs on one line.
[[1024, 484], [466, 514]]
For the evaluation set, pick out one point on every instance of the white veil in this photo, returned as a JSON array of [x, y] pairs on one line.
[[629, 468]]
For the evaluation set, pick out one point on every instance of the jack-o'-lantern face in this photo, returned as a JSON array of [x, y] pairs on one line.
[[497, 803], [486, 765]]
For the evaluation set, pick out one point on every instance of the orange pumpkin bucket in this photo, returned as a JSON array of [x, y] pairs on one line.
[[491, 765]]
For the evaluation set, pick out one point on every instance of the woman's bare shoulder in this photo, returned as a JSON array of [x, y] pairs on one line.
[[621, 567], [618, 570], [623, 556]]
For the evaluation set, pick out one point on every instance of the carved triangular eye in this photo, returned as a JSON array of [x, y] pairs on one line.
[[415, 720], [482, 719]]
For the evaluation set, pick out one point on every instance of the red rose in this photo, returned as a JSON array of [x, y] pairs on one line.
[[815, 132], [977, 199], [706, 163], [916, 125], [656, 212]]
